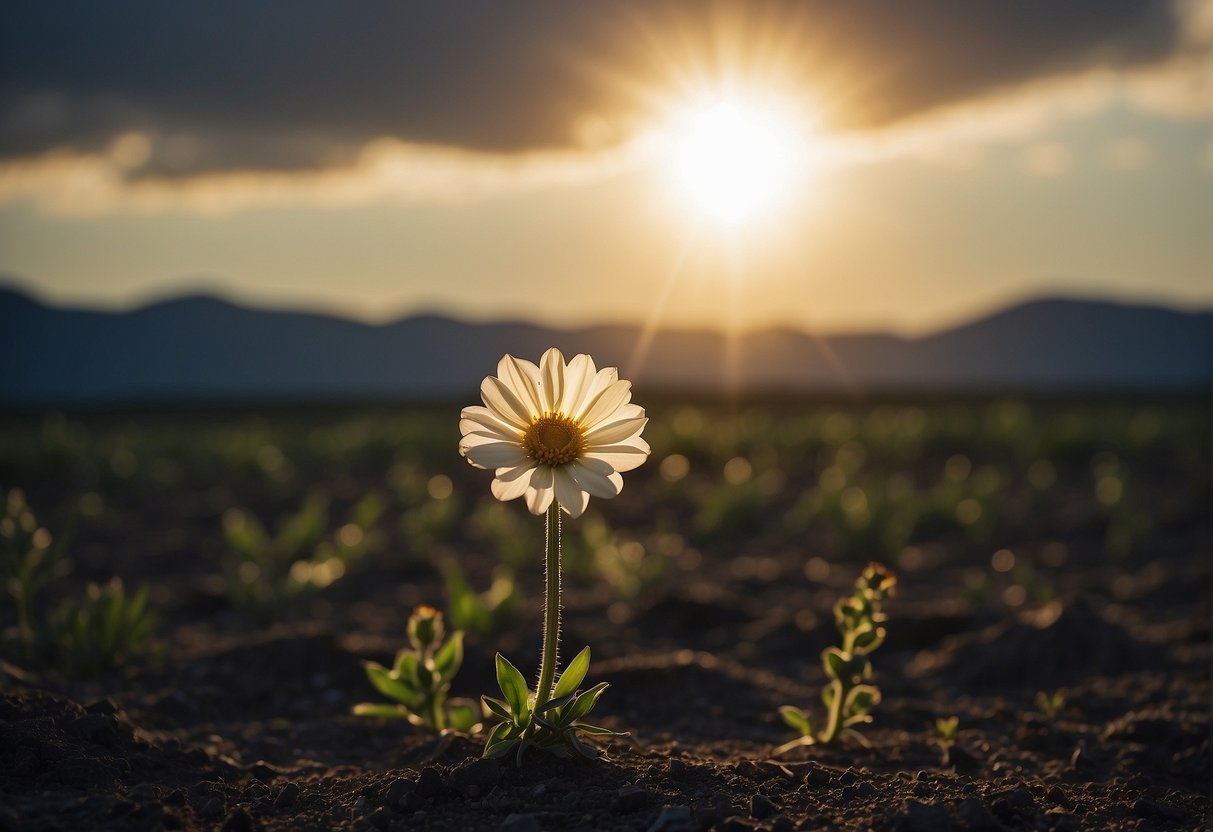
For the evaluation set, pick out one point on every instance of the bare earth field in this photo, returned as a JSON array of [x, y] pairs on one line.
[[1040, 546]]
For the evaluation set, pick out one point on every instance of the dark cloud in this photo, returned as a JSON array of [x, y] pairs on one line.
[[299, 83]]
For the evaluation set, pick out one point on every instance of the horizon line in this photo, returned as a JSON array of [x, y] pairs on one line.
[[21, 286]]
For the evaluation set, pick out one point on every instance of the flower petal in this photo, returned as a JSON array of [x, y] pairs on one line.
[[570, 496], [522, 377], [495, 455], [594, 479], [611, 432], [499, 431], [487, 421], [551, 379], [578, 376], [604, 406], [540, 491], [503, 403], [511, 483], [619, 457], [482, 437]]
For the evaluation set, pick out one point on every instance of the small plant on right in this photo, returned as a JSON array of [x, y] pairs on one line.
[[1050, 705], [849, 697], [946, 729], [420, 679]]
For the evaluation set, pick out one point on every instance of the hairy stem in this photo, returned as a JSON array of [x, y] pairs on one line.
[[551, 612]]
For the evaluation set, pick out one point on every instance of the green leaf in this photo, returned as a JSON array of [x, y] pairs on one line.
[[836, 663], [500, 739], [573, 674], [450, 657], [553, 704], [869, 640], [861, 699], [406, 668], [596, 731], [514, 688], [463, 715], [580, 747], [796, 743], [584, 702], [382, 710], [392, 688], [828, 693], [498, 707], [797, 719]]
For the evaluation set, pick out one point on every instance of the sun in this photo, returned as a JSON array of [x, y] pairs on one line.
[[733, 159]]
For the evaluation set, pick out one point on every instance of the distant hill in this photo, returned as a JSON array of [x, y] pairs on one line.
[[203, 348]]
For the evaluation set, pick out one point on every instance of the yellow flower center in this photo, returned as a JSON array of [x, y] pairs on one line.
[[553, 439]]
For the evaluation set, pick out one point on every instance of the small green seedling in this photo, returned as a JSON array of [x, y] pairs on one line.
[[103, 630], [849, 698], [420, 679], [30, 559], [81, 636], [946, 729], [551, 725], [302, 557], [1050, 705], [479, 612]]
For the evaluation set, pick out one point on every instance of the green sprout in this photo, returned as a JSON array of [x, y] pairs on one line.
[[946, 729], [301, 557], [479, 612], [849, 698], [1050, 705], [103, 630], [30, 559], [420, 679], [82, 636]]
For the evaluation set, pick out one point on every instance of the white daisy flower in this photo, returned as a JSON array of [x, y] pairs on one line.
[[555, 431]]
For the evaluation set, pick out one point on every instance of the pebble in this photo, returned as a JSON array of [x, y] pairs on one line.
[[761, 806], [520, 823], [238, 821], [672, 819], [922, 817], [287, 796], [1144, 807], [1062, 821], [973, 816], [631, 798], [539, 791], [475, 777], [99, 728], [211, 807], [398, 789], [429, 782], [381, 818]]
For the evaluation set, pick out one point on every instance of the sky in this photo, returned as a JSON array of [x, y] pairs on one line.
[[820, 165]]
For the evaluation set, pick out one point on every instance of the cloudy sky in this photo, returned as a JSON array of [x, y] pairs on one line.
[[818, 164]]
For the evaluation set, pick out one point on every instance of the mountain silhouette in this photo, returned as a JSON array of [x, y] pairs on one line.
[[203, 348]]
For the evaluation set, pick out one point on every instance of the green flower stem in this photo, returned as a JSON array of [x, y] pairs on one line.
[[434, 709], [834, 719], [551, 613]]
